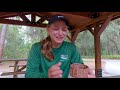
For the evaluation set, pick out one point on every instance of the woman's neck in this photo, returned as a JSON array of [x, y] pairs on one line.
[[56, 45]]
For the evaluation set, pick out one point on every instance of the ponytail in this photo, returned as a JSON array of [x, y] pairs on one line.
[[46, 48]]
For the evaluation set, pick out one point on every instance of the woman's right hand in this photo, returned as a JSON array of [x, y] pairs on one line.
[[55, 71]]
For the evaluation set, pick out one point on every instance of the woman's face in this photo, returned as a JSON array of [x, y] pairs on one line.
[[57, 31]]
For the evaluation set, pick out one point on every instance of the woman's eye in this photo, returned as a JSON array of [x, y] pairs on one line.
[[64, 30]]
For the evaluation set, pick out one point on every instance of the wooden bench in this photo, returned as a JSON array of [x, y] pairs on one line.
[[18, 68], [13, 73]]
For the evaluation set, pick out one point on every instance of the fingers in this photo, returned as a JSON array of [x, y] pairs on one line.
[[55, 67], [58, 76], [58, 64], [55, 72]]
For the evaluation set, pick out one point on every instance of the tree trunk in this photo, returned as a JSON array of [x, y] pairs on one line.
[[2, 39]]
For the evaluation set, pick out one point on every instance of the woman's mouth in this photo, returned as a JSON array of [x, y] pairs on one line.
[[59, 37]]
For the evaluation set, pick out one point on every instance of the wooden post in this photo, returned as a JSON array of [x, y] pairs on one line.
[[98, 70], [16, 68], [97, 32], [33, 18]]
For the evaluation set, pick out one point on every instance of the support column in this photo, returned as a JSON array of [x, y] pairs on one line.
[[98, 69], [97, 32]]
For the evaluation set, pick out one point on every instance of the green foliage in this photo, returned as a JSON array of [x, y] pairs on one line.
[[19, 40], [110, 56], [13, 43], [85, 43], [104, 57], [1, 27], [110, 43]]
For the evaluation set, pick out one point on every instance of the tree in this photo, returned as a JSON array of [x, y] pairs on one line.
[[2, 39]]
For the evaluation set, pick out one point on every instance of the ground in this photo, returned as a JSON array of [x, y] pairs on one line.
[[4, 67]]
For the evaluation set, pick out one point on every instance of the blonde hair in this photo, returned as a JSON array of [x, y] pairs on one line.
[[46, 48]]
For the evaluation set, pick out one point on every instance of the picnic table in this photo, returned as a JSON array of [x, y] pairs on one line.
[[18, 68]]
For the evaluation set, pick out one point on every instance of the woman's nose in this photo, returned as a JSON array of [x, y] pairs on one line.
[[60, 31]]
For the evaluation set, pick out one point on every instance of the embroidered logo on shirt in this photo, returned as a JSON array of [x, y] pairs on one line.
[[64, 57]]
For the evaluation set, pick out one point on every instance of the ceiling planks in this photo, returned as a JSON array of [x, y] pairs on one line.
[[79, 20]]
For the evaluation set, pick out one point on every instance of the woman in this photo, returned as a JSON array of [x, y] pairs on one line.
[[51, 58]]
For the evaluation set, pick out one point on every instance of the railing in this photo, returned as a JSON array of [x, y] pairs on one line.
[[18, 68]]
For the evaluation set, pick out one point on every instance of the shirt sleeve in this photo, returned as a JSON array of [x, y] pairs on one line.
[[75, 57], [33, 63]]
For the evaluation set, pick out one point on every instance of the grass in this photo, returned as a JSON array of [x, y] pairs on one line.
[[104, 57], [111, 56]]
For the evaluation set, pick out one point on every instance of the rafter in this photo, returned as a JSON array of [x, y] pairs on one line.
[[92, 21], [69, 37], [17, 22], [84, 14], [23, 17], [90, 29], [105, 24], [43, 14], [33, 17], [11, 14], [41, 20]]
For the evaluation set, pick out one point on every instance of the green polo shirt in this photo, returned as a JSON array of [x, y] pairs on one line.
[[38, 65]]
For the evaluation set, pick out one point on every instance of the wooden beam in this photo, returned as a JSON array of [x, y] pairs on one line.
[[13, 60], [11, 14], [23, 17], [43, 14], [39, 14], [33, 18], [97, 33], [116, 16], [12, 73], [98, 70], [74, 36], [91, 30], [41, 20], [97, 56], [84, 14], [105, 24], [17, 22], [84, 24], [16, 68], [69, 38], [21, 68]]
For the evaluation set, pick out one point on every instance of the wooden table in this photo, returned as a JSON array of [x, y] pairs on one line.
[[18, 68]]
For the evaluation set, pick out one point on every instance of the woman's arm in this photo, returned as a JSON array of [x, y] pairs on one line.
[[33, 63]]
